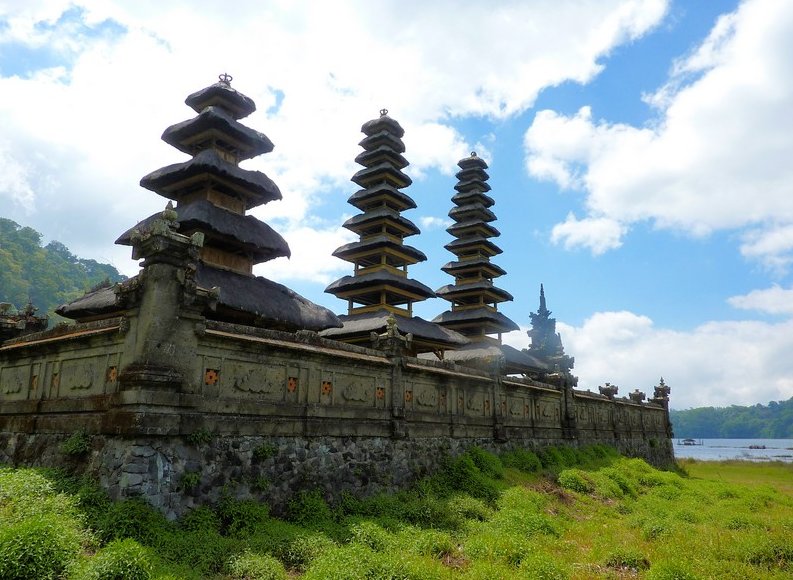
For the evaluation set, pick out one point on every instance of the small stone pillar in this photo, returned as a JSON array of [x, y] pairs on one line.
[[395, 345]]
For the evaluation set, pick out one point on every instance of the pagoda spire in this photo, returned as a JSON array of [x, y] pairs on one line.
[[379, 286], [546, 343], [474, 297]]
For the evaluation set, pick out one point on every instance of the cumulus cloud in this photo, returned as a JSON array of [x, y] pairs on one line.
[[597, 234], [434, 223], [715, 158], [715, 364], [91, 115], [722, 363], [774, 300]]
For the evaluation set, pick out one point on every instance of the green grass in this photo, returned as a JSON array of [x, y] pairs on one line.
[[559, 514]]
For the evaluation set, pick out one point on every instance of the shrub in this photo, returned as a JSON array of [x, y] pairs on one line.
[[251, 566], [310, 509], [132, 518], [265, 451], [629, 558], [370, 534], [670, 570], [200, 518], [40, 547], [466, 507], [77, 444], [575, 480], [550, 458], [523, 460], [119, 560], [199, 437], [541, 567], [462, 474], [241, 517], [190, 480], [303, 549], [490, 465], [204, 552]]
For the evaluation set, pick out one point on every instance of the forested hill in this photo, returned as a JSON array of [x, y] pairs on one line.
[[772, 421], [47, 275]]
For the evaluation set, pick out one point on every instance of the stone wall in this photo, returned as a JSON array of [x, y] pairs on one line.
[[265, 414]]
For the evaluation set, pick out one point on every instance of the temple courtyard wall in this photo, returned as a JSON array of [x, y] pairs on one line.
[[266, 414]]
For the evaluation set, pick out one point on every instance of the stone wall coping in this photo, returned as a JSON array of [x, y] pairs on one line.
[[381, 359], [451, 372], [620, 400], [64, 333]]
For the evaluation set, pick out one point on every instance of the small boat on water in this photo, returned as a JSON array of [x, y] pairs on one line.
[[689, 442]]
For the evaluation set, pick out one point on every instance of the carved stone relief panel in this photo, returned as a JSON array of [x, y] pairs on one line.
[[548, 412], [356, 389], [256, 380], [83, 376], [635, 417], [583, 414], [516, 408], [475, 403], [426, 396], [603, 417], [14, 382]]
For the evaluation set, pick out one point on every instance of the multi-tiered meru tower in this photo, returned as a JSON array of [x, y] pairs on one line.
[[212, 194], [473, 295], [379, 287]]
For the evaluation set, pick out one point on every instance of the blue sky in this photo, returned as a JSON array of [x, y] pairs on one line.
[[639, 154]]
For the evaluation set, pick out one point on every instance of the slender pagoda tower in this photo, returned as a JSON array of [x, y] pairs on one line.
[[546, 343], [379, 287], [212, 194], [473, 295]]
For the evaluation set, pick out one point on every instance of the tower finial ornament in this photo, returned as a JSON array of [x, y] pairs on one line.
[[225, 79], [383, 112]]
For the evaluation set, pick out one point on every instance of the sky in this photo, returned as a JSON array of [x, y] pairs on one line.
[[640, 153]]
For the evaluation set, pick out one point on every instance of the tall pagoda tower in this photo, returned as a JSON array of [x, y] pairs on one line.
[[473, 296], [212, 194], [379, 287]]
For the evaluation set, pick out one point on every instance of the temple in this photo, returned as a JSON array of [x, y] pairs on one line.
[[380, 288], [474, 297], [198, 369]]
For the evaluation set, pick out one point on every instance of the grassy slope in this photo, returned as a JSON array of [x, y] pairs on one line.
[[576, 515]]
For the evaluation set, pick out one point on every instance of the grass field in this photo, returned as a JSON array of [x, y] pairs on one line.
[[565, 514]]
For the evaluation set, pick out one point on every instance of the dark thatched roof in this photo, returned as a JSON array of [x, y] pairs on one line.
[[382, 123], [167, 181], [377, 242], [482, 286], [461, 245], [469, 197], [459, 229], [99, 302], [216, 119], [362, 197], [472, 210], [380, 172], [452, 268], [360, 220], [485, 316], [369, 156], [262, 302], [377, 278], [385, 138], [363, 324], [221, 94], [237, 231], [480, 354]]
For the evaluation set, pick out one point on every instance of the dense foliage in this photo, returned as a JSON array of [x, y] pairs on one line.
[[47, 275], [569, 514], [772, 421]]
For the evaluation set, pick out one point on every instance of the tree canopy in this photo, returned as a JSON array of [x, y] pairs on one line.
[[48, 275], [772, 421]]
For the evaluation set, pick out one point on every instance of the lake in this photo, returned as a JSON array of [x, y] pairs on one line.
[[746, 449]]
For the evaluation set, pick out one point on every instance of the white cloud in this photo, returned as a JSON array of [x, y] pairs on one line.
[[434, 223], [718, 155], [311, 260], [87, 127], [717, 363], [597, 234], [774, 300]]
